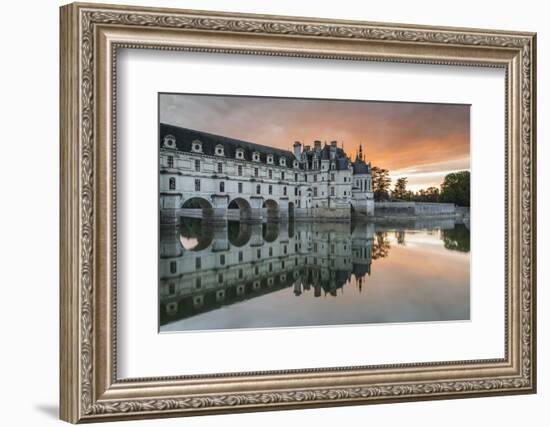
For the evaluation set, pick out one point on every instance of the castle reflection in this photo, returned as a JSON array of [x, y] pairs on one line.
[[205, 267]]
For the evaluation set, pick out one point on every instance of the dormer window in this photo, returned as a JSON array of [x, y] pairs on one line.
[[270, 158], [282, 161], [296, 163], [239, 153], [256, 157], [219, 150], [170, 141], [196, 146]]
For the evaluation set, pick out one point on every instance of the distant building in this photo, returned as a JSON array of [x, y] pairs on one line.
[[228, 178]]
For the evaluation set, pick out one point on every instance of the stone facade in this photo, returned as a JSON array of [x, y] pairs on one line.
[[216, 174], [413, 209]]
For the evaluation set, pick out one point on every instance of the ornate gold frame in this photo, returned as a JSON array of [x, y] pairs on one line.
[[90, 36]]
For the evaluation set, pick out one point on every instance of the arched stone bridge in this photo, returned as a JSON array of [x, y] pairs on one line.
[[220, 207]]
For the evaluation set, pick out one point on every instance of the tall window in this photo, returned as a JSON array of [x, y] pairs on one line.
[[258, 189], [332, 191], [240, 187], [170, 161], [282, 175], [332, 177], [295, 177], [270, 189], [173, 267], [197, 165], [172, 183], [256, 172], [315, 178], [315, 192], [197, 185], [240, 256], [240, 170], [222, 187], [197, 263], [222, 259], [295, 191], [284, 191], [220, 167], [270, 173]]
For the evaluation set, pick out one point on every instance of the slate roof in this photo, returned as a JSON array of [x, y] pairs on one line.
[[360, 167], [185, 137], [341, 159]]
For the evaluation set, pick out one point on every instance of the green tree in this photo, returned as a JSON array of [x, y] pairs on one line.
[[400, 189], [456, 188], [380, 183], [430, 194], [457, 239]]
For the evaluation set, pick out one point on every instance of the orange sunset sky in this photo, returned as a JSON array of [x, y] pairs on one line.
[[421, 141]]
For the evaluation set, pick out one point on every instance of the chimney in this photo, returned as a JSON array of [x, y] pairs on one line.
[[317, 145], [333, 144], [298, 151]]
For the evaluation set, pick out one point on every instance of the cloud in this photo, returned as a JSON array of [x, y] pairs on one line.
[[396, 136]]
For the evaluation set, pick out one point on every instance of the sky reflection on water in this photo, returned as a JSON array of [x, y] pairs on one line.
[[307, 274]]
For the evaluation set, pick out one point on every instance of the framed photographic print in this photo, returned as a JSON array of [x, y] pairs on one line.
[[265, 212]]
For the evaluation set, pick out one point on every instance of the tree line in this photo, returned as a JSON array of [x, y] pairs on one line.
[[455, 188]]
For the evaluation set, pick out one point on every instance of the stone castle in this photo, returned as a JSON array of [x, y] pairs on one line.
[[220, 178]]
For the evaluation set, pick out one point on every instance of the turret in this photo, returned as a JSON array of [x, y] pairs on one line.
[[333, 150], [298, 151], [317, 145]]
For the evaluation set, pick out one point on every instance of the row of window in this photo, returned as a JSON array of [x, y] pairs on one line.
[[170, 162], [196, 146], [172, 186]]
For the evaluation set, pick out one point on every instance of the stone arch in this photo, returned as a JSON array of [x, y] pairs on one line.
[[239, 233], [196, 203], [271, 209], [270, 231], [195, 234], [245, 210]]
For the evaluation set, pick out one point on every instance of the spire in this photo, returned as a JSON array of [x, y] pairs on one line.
[[361, 152]]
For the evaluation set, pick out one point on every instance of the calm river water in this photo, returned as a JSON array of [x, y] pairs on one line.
[[312, 274]]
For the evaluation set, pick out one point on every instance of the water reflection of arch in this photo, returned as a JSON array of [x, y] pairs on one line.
[[195, 235], [291, 210], [272, 209], [239, 233], [270, 231], [245, 210]]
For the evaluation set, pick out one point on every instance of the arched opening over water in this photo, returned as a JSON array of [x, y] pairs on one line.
[[245, 210], [239, 233], [271, 210], [196, 207], [195, 235], [270, 231]]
